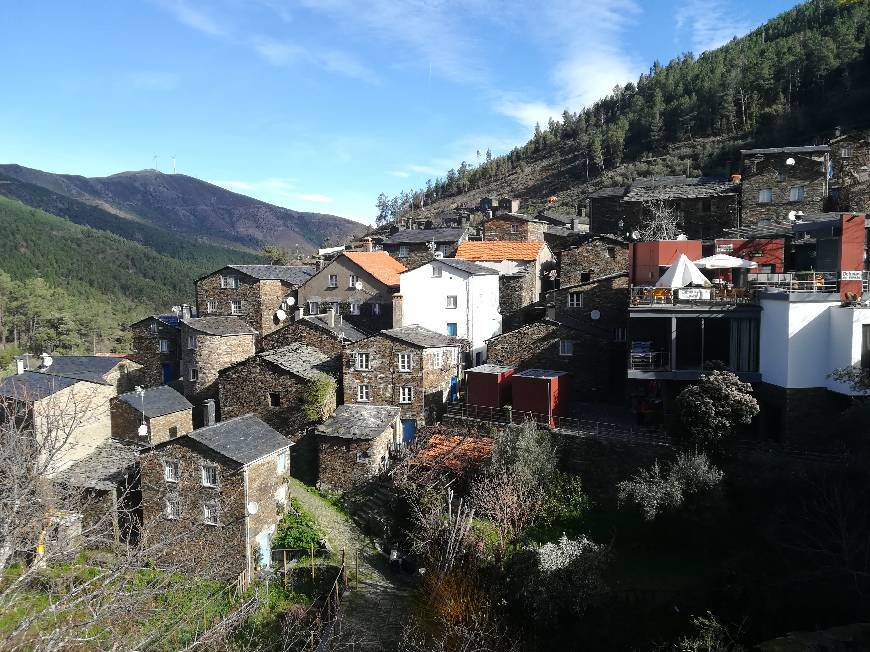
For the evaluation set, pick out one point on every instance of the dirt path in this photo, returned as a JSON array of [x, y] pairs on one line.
[[375, 608]]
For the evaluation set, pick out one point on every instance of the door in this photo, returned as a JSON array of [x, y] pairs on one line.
[[167, 373], [478, 359], [409, 429], [265, 549], [451, 329], [453, 394]]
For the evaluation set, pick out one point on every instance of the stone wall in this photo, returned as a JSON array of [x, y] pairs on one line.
[[266, 487], [502, 228], [145, 350], [609, 297], [770, 171], [212, 353], [605, 214], [850, 189], [516, 291], [159, 427], [126, 421], [698, 217], [800, 417], [593, 259], [418, 253], [344, 463]]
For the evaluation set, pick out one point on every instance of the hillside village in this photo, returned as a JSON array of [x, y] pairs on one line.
[[410, 355]]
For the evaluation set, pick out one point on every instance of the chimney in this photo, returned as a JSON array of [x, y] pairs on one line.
[[551, 311], [837, 132], [397, 311], [208, 412], [319, 263], [297, 314], [368, 243], [19, 365], [574, 224], [185, 311], [330, 317]]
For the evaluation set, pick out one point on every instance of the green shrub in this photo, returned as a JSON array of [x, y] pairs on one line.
[[297, 529], [563, 502]]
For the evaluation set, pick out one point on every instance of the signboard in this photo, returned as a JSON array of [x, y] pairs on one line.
[[851, 275], [694, 293], [724, 248]]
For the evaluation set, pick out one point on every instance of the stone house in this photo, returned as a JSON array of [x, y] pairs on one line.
[[527, 261], [413, 247], [412, 367], [355, 444], [209, 345], [783, 181], [850, 166], [67, 403], [597, 304], [358, 285], [453, 297], [514, 226], [156, 346], [597, 256], [252, 293], [214, 496], [704, 206], [164, 412]]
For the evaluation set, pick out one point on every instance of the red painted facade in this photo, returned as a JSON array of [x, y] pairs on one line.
[[541, 392], [646, 258], [851, 251], [488, 386], [765, 252]]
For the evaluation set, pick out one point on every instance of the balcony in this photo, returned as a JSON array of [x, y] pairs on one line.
[[712, 296], [824, 282]]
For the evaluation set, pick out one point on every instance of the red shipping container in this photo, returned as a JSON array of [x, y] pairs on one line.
[[541, 392], [488, 385]]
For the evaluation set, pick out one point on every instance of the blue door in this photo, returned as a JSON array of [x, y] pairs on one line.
[[452, 395], [451, 329], [167, 373], [409, 429]]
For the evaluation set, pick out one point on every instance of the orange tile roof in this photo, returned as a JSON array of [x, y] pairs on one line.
[[454, 452], [379, 264], [499, 250]]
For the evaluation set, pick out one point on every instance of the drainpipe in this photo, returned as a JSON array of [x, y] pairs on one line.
[[247, 526]]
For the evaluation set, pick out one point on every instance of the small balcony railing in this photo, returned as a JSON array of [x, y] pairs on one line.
[[653, 296], [643, 356], [796, 281]]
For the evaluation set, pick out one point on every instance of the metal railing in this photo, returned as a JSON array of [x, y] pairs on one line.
[[653, 296], [796, 281], [649, 360]]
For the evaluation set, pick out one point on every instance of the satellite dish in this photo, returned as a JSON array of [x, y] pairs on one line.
[[595, 314], [280, 314], [789, 161], [47, 360], [358, 285], [253, 507], [635, 235], [143, 431], [290, 301], [791, 215]]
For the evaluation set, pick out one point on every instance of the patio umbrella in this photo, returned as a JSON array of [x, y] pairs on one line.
[[724, 261], [682, 273]]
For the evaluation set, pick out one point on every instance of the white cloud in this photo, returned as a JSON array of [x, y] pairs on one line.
[[193, 17], [282, 192], [400, 173], [712, 24]]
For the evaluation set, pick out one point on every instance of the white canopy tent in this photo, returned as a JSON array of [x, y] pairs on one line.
[[724, 261], [683, 273]]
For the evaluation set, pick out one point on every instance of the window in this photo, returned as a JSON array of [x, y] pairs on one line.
[[575, 299], [585, 277], [352, 280], [313, 307], [363, 362], [236, 307], [191, 341], [333, 280], [152, 328], [619, 334], [846, 151], [451, 328], [445, 250], [274, 399], [376, 309], [209, 475], [193, 375], [362, 456], [282, 463], [451, 356], [170, 470], [403, 251], [363, 393], [173, 432], [797, 193], [173, 509], [452, 301], [231, 282], [164, 346], [210, 513], [566, 347], [437, 359], [780, 176], [354, 307], [765, 196], [404, 362], [211, 306], [406, 394], [436, 271], [515, 228], [336, 307], [611, 253]]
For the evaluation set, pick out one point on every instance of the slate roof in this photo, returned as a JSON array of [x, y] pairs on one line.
[[613, 191], [157, 401], [244, 439], [170, 319], [561, 218], [490, 369], [412, 236], [539, 373], [355, 421], [419, 336], [467, 266], [680, 187], [219, 325], [33, 386], [295, 274], [514, 216], [342, 330], [379, 264], [90, 368], [299, 359], [499, 250], [808, 149], [103, 468]]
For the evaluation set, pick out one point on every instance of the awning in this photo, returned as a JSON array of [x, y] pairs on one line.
[[683, 273], [724, 261]]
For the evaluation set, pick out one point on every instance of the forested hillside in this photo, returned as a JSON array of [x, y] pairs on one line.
[[790, 81]]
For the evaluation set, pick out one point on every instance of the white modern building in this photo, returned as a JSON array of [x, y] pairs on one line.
[[452, 297]]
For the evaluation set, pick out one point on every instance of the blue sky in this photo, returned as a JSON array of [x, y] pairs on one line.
[[321, 104]]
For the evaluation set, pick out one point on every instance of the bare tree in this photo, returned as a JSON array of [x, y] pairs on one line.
[[659, 222]]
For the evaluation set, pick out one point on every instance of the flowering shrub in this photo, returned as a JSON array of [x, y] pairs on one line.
[[712, 408]]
